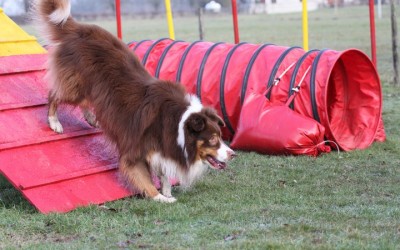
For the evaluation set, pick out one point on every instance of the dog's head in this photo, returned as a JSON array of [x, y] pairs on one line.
[[203, 139], [203, 131]]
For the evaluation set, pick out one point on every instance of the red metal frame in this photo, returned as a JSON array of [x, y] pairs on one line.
[[235, 21], [118, 17], [372, 30]]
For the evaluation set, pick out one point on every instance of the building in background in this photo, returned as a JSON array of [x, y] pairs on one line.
[[102, 8], [13, 7], [279, 6], [213, 6]]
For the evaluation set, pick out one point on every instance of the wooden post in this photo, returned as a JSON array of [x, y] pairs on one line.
[[394, 43], [372, 31], [201, 31]]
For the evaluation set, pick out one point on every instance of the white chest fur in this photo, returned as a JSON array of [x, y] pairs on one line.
[[162, 166]]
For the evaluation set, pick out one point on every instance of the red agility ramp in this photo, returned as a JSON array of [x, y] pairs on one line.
[[56, 173], [341, 91]]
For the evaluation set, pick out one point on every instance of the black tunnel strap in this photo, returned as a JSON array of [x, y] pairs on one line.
[[183, 59], [130, 43], [222, 86], [276, 67], [295, 72], [139, 43], [248, 71], [202, 66], [163, 55], [312, 85], [149, 49]]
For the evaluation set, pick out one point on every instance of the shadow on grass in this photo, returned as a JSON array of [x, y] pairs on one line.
[[11, 198]]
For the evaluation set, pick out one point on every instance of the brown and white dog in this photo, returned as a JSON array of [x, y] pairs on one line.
[[156, 126]]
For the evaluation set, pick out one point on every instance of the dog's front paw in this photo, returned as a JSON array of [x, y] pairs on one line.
[[55, 124], [166, 191], [164, 199]]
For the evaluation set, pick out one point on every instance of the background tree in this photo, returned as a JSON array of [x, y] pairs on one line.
[[198, 3], [27, 5], [394, 43], [111, 3], [156, 7]]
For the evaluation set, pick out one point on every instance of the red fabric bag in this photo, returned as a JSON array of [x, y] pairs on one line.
[[270, 128]]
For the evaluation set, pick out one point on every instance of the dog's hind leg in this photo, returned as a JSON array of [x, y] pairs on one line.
[[52, 118], [90, 117], [139, 176]]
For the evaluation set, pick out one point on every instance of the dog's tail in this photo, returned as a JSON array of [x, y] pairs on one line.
[[53, 18]]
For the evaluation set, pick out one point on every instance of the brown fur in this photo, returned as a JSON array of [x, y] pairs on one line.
[[90, 67]]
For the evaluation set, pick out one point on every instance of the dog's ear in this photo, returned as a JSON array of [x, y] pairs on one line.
[[196, 123], [214, 116], [220, 122]]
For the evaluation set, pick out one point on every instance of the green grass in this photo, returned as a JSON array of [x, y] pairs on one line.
[[347, 200]]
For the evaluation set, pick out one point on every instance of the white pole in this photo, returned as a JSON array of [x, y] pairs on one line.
[[380, 9]]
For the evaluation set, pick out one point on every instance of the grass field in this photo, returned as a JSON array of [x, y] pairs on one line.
[[347, 200]]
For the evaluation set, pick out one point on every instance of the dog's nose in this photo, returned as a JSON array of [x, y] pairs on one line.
[[231, 154]]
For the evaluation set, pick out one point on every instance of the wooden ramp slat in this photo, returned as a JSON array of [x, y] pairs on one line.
[[55, 172], [68, 176], [26, 166], [67, 195]]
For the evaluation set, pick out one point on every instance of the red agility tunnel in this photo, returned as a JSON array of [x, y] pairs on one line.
[[340, 90]]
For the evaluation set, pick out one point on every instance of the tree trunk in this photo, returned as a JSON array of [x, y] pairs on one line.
[[112, 5], [394, 43], [201, 31], [27, 5]]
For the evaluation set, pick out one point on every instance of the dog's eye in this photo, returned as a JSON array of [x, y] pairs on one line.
[[214, 140]]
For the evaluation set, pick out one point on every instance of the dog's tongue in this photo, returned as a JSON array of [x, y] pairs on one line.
[[215, 163]]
